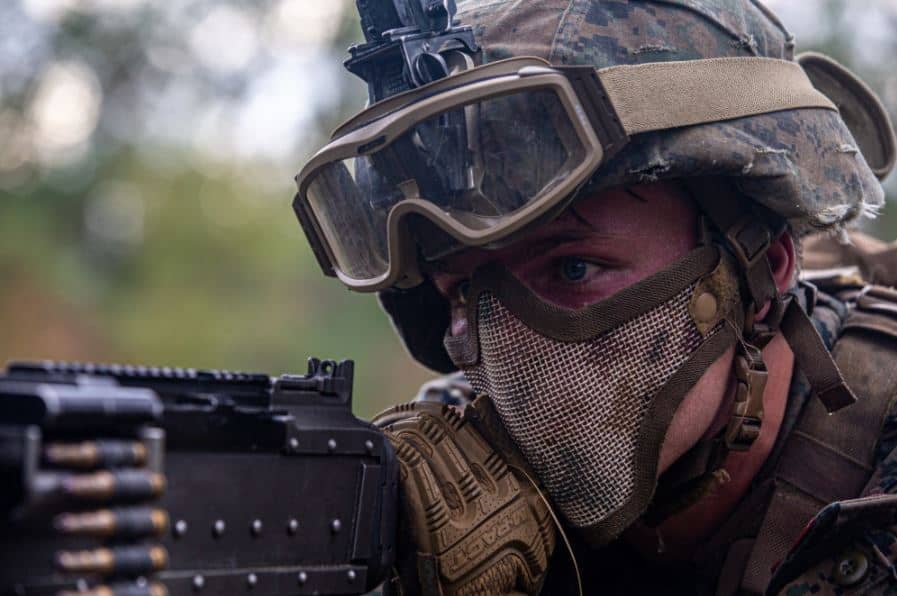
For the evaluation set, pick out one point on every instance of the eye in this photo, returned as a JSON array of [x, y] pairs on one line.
[[575, 269]]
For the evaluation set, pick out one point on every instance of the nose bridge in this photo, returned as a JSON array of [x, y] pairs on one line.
[[458, 268]]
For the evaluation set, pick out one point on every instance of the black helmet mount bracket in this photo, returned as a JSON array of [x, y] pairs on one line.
[[409, 43]]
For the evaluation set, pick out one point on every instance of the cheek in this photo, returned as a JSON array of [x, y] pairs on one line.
[[698, 410], [659, 253]]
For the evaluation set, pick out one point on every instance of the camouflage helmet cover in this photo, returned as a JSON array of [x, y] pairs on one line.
[[804, 165]]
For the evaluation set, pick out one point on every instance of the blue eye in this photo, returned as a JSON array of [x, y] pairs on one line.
[[574, 268]]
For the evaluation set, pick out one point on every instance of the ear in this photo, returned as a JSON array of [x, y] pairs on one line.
[[782, 259]]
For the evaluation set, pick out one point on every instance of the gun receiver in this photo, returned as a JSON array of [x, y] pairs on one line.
[[134, 480]]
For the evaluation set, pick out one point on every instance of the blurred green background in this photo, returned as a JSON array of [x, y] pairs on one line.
[[146, 158]]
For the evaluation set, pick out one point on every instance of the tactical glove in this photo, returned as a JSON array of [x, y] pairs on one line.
[[472, 522]]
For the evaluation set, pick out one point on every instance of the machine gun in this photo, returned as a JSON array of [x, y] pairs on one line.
[[409, 43], [127, 481]]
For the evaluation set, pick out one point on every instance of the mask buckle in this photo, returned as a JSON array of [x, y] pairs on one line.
[[747, 411]]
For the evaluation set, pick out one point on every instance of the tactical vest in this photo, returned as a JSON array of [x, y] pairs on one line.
[[826, 458]]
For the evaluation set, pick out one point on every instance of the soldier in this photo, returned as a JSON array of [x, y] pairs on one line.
[[599, 224]]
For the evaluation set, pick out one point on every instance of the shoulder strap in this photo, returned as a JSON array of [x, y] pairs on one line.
[[830, 457]]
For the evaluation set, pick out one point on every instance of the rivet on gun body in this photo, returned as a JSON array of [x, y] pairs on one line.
[[331, 444], [180, 528], [351, 575], [292, 526], [198, 582], [369, 446], [302, 578], [251, 580], [336, 525], [294, 443], [256, 527], [218, 528]]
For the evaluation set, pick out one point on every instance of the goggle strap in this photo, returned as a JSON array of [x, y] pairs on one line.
[[665, 95]]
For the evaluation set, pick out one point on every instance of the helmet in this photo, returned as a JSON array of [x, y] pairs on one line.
[[590, 95], [816, 168]]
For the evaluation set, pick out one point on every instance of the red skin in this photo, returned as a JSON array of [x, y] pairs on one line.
[[626, 235]]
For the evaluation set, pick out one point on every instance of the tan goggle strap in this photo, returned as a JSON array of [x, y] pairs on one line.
[[664, 95]]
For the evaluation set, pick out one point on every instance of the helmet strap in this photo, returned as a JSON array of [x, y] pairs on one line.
[[747, 236]]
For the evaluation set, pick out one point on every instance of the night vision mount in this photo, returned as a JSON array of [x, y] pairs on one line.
[[409, 43]]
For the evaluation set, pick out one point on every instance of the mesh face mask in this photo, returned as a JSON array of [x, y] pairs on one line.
[[588, 395]]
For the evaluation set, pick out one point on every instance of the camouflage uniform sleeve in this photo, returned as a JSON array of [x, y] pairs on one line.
[[850, 546]]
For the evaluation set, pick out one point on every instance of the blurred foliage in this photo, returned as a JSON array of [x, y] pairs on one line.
[[145, 180], [130, 246]]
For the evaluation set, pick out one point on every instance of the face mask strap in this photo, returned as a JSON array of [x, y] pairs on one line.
[[747, 239], [748, 236], [717, 299], [651, 437], [567, 325], [714, 307]]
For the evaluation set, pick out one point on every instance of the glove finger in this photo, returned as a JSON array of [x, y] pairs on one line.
[[433, 429]]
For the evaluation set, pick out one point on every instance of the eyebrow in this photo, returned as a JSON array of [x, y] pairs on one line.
[[637, 196], [572, 213], [574, 224], [552, 239]]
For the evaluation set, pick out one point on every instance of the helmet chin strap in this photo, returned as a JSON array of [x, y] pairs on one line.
[[747, 237]]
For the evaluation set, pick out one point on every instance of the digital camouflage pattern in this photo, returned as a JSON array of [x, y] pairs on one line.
[[850, 547], [857, 541], [802, 164]]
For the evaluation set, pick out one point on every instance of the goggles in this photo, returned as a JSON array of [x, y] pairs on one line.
[[474, 158]]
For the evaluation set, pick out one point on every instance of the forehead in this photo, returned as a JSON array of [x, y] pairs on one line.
[[659, 207], [640, 220]]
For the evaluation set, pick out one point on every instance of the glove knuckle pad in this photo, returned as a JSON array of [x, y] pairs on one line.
[[477, 527]]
